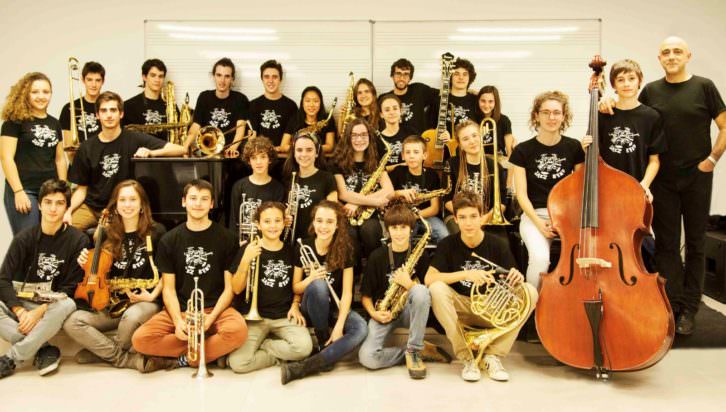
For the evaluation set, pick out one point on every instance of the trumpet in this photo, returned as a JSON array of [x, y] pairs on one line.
[[195, 331], [253, 279], [74, 75], [310, 262], [488, 125], [247, 229]]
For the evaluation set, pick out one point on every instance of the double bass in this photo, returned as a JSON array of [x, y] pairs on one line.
[[94, 287], [599, 308]]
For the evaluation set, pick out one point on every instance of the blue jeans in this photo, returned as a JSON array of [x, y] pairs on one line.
[[321, 313], [20, 221], [438, 228], [373, 355]]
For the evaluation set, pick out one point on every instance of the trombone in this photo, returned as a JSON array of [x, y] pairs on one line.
[[488, 125], [195, 331], [74, 75]]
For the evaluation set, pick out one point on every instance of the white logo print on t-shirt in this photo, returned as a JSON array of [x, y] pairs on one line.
[[303, 196], [622, 139], [137, 260], [48, 265], [406, 111], [152, 117], [91, 123], [43, 135], [195, 261], [396, 149], [269, 119], [275, 274], [219, 118], [549, 166], [475, 265], [460, 114], [109, 164]]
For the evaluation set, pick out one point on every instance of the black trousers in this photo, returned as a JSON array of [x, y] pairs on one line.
[[686, 194]]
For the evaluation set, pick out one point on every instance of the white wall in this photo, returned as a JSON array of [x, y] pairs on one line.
[[40, 35]]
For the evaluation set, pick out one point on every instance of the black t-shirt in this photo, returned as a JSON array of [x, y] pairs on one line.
[[546, 165], [473, 174], [427, 181], [298, 122], [687, 109], [628, 137], [465, 107], [254, 196], [504, 127], [134, 252], [221, 113], [274, 287], [313, 189], [93, 124], [142, 110], [35, 150], [355, 181], [395, 142], [35, 257], [270, 117], [206, 254], [101, 166], [453, 255], [415, 103], [379, 273], [335, 278]]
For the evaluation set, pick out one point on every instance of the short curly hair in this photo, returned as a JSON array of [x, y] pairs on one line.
[[259, 144], [557, 96]]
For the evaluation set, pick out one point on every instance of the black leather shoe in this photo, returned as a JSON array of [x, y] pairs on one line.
[[685, 323]]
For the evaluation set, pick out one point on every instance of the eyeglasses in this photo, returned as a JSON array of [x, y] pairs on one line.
[[549, 113], [358, 135]]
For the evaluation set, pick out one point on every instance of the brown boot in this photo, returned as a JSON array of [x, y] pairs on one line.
[[85, 356], [155, 363], [433, 353], [415, 365]]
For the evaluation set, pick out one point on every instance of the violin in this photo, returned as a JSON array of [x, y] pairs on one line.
[[599, 308], [94, 287]]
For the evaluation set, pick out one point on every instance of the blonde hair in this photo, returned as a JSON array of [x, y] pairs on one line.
[[557, 96], [17, 105]]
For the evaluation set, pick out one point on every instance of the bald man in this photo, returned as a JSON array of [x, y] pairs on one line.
[[682, 188]]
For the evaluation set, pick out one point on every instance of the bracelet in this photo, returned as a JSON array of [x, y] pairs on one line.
[[712, 159], [18, 191]]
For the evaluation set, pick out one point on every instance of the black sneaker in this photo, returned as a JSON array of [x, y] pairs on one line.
[[7, 366], [685, 323], [47, 359]]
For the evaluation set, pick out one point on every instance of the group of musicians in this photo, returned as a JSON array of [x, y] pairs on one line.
[[306, 223]]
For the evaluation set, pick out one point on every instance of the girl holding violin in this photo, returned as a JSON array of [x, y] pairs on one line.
[[126, 233], [538, 164]]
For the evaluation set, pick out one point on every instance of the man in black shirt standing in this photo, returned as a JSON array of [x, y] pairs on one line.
[[41, 262], [416, 98], [222, 107], [270, 113], [105, 160], [92, 75], [682, 188], [454, 271], [148, 107]]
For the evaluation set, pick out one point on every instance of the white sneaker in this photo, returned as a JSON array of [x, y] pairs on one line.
[[495, 369], [471, 371]]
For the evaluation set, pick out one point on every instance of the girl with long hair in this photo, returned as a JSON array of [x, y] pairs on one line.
[[31, 148], [394, 132], [366, 107], [331, 245], [310, 112]]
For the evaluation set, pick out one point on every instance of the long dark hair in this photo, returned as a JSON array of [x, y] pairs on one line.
[[497, 111], [341, 246], [115, 230], [301, 116], [375, 115], [343, 154]]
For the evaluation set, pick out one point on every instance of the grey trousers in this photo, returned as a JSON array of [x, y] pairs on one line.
[[24, 347], [268, 341], [87, 328]]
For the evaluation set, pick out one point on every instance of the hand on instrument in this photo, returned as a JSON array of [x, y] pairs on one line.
[[336, 334], [231, 152], [382, 316], [350, 209], [22, 203], [445, 136], [586, 141], [319, 273], [514, 277], [295, 315], [68, 217], [288, 220], [480, 277], [143, 153], [29, 318], [706, 166], [253, 250], [142, 295], [606, 105], [401, 277], [407, 194], [545, 227], [648, 195], [82, 257], [208, 322], [180, 331]]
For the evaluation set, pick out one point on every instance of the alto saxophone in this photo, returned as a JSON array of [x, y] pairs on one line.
[[370, 185], [320, 125], [119, 302], [425, 197], [394, 300], [346, 113]]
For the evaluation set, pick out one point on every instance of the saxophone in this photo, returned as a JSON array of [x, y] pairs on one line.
[[346, 113], [320, 125], [396, 295], [425, 197], [119, 302], [171, 117], [370, 185]]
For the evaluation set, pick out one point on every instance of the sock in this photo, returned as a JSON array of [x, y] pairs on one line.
[[182, 360]]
